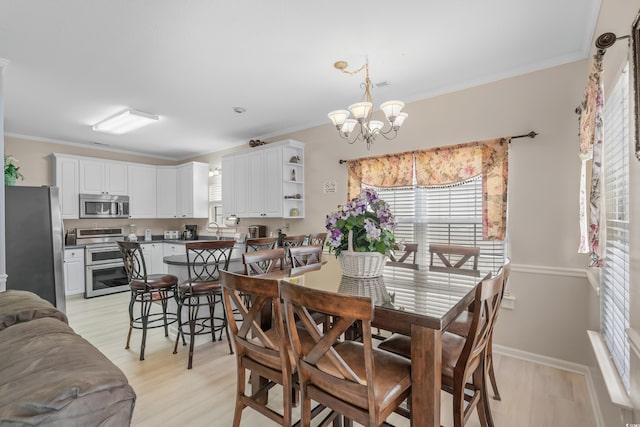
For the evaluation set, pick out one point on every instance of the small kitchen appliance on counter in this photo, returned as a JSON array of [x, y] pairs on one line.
[[191, 232], [256, 231], [147, 235], [132, 237], [171, 235]]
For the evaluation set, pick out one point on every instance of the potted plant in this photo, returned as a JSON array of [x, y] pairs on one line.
[[11, 170], [361, 234]]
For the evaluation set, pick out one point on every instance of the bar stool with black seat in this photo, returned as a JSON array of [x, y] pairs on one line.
[[145, 290], [360, 382], [205, 260], [464, 361]]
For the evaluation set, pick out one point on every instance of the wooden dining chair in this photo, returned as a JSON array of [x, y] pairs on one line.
[[291, 242], [461, 325], [316, 239], [263, 262], [301, 256], [260, 244], [464, 362], [454, 259], [263, 352], [404, 256], [202, 289], [145, 290], [362, 383]]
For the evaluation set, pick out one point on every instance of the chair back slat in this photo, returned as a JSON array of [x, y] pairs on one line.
[[263, 262], [301, 256], [317, 239], [399, 257], [260, 244], [454, 259]]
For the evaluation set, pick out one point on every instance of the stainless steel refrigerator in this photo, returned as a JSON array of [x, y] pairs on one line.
[[34, 242]]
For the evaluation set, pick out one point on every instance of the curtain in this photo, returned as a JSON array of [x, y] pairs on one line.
[[447, 165], [391, 170], [590, 136], [444, 165]]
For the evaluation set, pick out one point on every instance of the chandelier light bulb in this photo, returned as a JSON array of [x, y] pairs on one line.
[[360, 110], [338, 117], [348, 126], [375, 126], [391, 109]]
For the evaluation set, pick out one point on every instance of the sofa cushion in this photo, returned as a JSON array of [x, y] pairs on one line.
[[22, 306], [50, 376]]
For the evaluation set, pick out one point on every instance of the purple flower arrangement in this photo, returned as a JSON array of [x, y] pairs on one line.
[[371, 221]]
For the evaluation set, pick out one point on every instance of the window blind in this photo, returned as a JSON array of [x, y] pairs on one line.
[[449, 215], [614, 287]]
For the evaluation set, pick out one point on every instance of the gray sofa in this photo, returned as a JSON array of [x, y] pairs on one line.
[[50, 376]]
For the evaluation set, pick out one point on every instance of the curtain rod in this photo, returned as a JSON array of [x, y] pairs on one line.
[[531, 135]]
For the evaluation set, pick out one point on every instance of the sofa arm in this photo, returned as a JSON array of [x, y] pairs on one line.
[[23, 306]]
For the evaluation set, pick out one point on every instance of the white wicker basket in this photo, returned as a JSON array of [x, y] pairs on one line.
[[361, 264]]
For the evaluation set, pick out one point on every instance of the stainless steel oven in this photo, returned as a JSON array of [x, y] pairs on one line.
[[104, 268]]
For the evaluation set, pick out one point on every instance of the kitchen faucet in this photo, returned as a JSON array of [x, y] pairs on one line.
[[217, 228]]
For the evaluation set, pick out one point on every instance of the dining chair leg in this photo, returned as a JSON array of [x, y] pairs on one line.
[[163, 303], [193, 315], [211, 303], [485, 396], [305, 412], [490, 370], [226, 328], [478, 380], [240, 389]]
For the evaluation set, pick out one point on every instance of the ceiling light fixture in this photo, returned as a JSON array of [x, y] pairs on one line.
[[367, 130], [214, 172], [125, 121]]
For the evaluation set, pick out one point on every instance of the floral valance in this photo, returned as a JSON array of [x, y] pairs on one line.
[[445, 165]]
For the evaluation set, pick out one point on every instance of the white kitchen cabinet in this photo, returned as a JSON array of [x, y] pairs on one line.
[[166, 192], [102, 177], [74, 271], [266, 181], [265, 191], [153, 254], [235, 185], [142, 191], [193, 190], [65, 177]]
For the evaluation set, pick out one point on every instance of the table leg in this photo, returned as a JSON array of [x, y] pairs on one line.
[[426, 370]]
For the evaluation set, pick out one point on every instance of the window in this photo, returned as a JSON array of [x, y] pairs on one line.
[[448, 214], [215, 199], [614, 287]]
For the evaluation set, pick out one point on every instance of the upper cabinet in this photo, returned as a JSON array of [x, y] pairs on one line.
[[266, 181], [166, 190], [193, 190], [65, 177], [103, 177], [154, 191], [142, 191]]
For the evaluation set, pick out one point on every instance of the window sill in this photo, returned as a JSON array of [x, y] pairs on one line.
[[615, 388]]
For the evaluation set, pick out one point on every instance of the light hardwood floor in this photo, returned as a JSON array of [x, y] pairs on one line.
[[169, 394]]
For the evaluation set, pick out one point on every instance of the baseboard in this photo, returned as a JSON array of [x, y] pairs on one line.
[[559, 364]]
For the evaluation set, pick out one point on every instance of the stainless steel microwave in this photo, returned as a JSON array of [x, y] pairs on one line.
[[104, 206]]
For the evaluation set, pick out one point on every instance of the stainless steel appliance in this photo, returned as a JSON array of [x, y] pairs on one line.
[[104, 269], [104, 206], [256, 231], [34, 242]]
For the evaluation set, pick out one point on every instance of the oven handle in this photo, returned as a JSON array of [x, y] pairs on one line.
[[93, 267]]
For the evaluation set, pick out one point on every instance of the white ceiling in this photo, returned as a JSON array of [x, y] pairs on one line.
[[75, 62]]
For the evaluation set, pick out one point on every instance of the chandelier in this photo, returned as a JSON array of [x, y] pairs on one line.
[[355, 124]]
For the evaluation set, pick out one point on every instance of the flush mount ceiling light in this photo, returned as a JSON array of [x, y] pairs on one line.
[[360, 127], [125, 121]]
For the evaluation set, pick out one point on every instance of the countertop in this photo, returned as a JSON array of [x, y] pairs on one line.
[[160, 239]]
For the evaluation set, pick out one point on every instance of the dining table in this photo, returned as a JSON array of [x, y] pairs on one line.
[[415, 302]]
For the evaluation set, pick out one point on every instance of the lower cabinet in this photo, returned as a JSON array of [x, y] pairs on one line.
[[74, 271], [171, 249], [153, 254]]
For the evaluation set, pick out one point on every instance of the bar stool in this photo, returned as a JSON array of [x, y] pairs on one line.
[[205, 260], [147, 289]]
